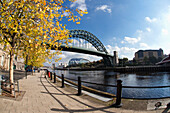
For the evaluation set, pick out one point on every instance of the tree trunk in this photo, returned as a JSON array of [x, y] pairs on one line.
[[11, 76]]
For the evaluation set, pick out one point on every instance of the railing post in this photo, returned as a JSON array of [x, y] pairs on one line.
[[54, 78], [62, 76], [18, 85], [48, 74], [14, 89], [51, 74], [79, 86], [118, 94]]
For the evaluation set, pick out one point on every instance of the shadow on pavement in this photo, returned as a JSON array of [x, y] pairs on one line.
[[57, 93], [167, 109], [65, 109]]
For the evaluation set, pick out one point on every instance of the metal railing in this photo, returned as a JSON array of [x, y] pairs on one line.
[[118, 86], [5, 86]]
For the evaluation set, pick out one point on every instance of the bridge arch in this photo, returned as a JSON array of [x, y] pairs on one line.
[[92, 39]]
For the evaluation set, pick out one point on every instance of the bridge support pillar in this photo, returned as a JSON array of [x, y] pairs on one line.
[[115, 58]]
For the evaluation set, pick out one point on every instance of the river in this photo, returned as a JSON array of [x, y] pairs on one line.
[[137, 79]]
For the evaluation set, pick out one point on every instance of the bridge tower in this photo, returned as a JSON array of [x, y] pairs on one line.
[[115, 58]]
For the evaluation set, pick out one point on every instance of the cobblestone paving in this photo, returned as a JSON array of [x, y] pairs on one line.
[[42, 97]]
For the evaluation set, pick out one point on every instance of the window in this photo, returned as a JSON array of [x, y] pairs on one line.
[[140, 54], [150, 54], [2, 60]]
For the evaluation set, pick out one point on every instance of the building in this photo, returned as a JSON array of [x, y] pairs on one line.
[[4, 59], [76, 61], [141, 55], [62, 65]]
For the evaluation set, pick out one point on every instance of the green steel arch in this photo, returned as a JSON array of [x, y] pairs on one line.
[[82, 34]]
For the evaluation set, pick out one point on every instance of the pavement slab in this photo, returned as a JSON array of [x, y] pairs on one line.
[[43, 96]]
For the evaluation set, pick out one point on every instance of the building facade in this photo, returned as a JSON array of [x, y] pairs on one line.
[[4, 59], [141, 55]]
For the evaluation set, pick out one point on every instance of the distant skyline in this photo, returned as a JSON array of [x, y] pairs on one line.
[[124, 26]]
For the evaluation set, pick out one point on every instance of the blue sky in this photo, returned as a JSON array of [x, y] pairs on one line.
[[124, 25]]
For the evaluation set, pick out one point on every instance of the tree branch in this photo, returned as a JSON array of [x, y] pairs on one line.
[[1, 2]]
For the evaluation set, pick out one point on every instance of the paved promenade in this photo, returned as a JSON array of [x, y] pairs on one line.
[[42, 96]]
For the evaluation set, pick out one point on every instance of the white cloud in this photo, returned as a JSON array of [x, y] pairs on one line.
[[139, 31], [80, 4], [123, 56], [144, 45], [66, 14], [127, 50], [122, 51], [122, 42], [132, 40], [148, 19], [164, 32], [104, 8], [148, 29]]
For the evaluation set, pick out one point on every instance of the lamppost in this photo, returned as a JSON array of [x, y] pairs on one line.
[[26, 66]]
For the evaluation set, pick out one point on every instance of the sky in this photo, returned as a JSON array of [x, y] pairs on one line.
[[125, 26]]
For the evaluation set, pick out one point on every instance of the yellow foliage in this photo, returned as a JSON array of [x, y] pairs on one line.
[[33, 24], [77, 22]]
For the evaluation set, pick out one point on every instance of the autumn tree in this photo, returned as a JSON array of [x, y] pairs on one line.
[[34, 21]]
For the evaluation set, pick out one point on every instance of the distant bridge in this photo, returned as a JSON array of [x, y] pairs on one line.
[[93, 40]]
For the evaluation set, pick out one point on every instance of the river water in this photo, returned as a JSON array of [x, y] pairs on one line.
[[138, 79]]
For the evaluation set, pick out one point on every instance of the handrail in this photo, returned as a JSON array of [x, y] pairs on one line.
[[118, 87]]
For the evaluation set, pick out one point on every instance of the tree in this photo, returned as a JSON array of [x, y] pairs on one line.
[[152, 60], [146, 60], [34, 21]]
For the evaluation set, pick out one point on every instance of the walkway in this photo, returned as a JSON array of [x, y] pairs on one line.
[[43, 96]]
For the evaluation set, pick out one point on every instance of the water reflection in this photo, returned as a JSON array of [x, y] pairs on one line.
[[139, 79]]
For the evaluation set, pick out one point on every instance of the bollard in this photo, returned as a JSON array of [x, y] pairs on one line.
[[54, 78], [18, 85], [118, 94], [48, 74], [62, 76], [79, 86], [14, 90], [51, 75]]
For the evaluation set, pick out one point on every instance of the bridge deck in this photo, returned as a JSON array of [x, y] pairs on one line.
[[82, 50]]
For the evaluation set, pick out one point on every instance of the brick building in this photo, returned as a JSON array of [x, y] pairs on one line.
[[142, 54]]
